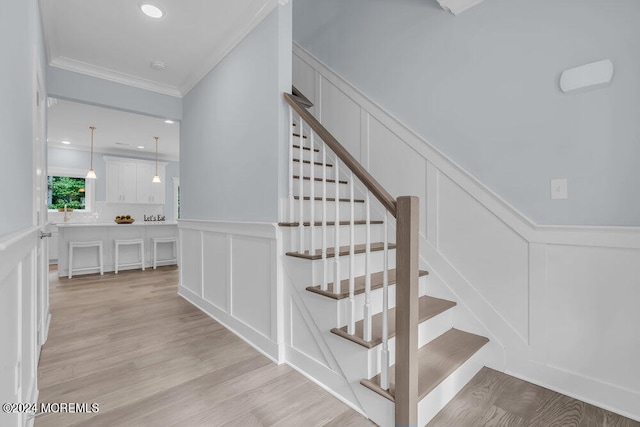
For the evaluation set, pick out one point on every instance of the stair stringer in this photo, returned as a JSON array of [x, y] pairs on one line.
[[319, 361], [346, 363]]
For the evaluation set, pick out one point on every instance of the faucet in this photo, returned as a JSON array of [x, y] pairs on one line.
[[67, 217]]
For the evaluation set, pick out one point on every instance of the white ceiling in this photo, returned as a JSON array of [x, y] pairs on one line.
[[70, 121], [114, 40]]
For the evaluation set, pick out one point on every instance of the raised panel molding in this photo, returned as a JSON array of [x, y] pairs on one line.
[[229, 271], [533, 288]]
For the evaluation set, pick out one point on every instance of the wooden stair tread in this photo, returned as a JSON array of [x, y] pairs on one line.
[[436, 361], [330, 199], [428, 307], [344, 250], [315, 163], [376, 283], [306, 148], [330, 223], [308, 178]]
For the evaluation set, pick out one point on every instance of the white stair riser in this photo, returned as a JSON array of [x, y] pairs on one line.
[[317, 169], [432, 403], [331, 189], [376, 304], [427, 332], [359, 212], [377, 234], [359, 266]]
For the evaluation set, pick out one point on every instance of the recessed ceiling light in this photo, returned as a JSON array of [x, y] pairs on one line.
[[141, 146], [151, 11], [158, 65], [169, 121], [66, 142]]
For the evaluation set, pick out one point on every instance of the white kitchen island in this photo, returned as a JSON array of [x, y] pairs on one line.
[[108, 233]]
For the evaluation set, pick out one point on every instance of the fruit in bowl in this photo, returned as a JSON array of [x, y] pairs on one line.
[[124, 219]]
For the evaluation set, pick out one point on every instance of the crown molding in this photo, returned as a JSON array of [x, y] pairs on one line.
[[113, 76], [220, 53]]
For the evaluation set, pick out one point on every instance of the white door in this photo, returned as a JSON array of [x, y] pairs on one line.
[[40, 209]]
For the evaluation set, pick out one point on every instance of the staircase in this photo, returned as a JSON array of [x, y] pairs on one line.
[[410, 359]]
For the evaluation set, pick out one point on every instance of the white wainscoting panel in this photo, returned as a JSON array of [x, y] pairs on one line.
[[251, 280], [400, 170], [230, 271], [341, 116], [562, 300], [19, 346], [592, 313], [191, 257], [492, 258], [304, 77], [216, 255]]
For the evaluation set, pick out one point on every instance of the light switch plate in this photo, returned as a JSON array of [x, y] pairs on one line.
[[559, 189]]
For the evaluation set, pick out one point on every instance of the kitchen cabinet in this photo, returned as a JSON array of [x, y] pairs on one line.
[[148, 191], [129, 181], [121, 181]]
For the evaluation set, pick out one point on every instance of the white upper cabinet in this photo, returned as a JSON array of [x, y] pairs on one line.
[[121, 181], [129, 181], [150, 192]]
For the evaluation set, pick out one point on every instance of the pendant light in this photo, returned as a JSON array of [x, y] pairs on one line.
[[156, 177], [91, 174]]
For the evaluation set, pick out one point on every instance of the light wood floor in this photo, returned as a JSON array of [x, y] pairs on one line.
[[149, 358], [492, 398]]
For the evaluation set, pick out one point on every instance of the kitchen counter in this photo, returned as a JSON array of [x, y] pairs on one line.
[[114, 224], [108, 232]]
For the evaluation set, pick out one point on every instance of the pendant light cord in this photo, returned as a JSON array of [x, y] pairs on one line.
[[92, 129], [156, 138]]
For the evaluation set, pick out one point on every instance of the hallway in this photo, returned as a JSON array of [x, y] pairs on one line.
[[149, 358]]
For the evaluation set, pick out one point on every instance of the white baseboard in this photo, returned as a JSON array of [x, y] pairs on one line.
[[252, 337], [324, 377]]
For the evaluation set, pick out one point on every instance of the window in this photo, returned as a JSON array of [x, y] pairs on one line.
[[66, 190], [69, 186]]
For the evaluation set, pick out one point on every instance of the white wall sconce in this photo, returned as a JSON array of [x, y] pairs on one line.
[[593, 75]]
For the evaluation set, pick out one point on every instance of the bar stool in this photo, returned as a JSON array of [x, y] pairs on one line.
[[93, 244], [121, 242], [157, 240]]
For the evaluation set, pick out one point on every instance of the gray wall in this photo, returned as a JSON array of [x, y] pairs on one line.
[[77, 159], [231, 132], [92, 90], [20, 36], [483, 87]]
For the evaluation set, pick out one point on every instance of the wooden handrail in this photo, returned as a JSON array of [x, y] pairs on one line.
[[358, 170]]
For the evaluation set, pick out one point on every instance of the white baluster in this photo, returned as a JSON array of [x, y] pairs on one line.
[[291, 202], [384, 356], [351, 326], [336, 236], [312, 198], [301, 193], [325, 279], [367, 272]]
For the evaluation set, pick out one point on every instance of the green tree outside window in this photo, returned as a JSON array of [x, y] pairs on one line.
[[66, 190]]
